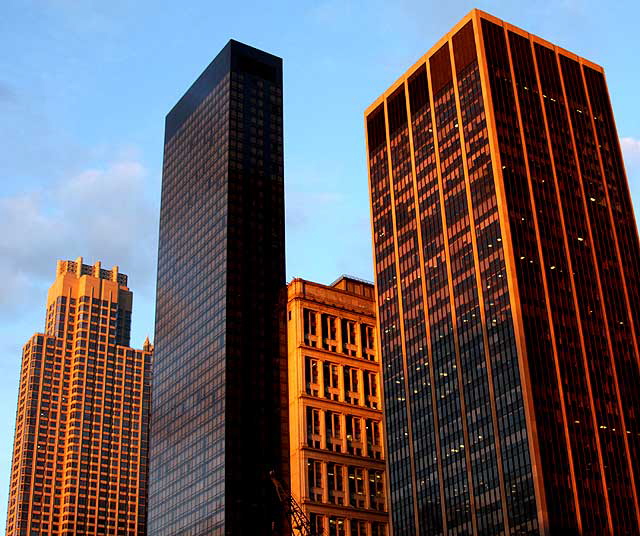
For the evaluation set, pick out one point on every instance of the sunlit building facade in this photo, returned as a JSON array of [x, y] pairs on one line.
[[335, 408], [507, 278], [219, 421], [81, 441]]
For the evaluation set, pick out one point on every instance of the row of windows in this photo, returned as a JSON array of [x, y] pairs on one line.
[[322, 330], [341, 383], [345, 485], [341, 526], [343, 433]]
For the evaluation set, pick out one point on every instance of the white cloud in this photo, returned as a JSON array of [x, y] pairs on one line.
[[631, 153], [101, 214]]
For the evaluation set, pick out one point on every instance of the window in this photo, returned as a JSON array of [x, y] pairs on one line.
[[314, 477], [313, 428], [310, 328], [336, 526], [358, 527], [354, 435], [368, 342], [356, 487], [335, 483], [351, 385], [349, 341], [312, 376], [331, 381], [374, 439], [329, 333], [376, 490], [333, 424], [371, 389], [317, 523]]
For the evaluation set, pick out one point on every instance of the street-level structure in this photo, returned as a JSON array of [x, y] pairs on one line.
[[507, 278], [82, 425], [335, 407]]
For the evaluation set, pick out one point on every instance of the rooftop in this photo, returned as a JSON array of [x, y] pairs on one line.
[[79, 268]]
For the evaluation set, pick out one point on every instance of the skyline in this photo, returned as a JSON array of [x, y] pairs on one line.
[[80, 162]]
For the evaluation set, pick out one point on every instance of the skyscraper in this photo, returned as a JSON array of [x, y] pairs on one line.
[[335, 410], [81, 441], [507, 277], [219, 420]]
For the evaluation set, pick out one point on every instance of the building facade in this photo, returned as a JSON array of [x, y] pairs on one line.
[[507, 278], [81, 441], [220, 361], [335, 407]]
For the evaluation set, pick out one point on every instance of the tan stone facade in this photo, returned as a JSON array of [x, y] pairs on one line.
[[335, 414], [81, 440]]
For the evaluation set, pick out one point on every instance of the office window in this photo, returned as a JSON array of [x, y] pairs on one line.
[[331, 381], [358, 527], [371, 389], [310, 328], [351, 385], [314, 479], [329, 332], [374, 439], [349, 340], [354, 435], [367, 334], [317, 523], [333, 426], [376, 490], [312, 376], [335, 483], [313, 428], [357, 497]]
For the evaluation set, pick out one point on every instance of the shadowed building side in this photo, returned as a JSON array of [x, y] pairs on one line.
[[219, 407]]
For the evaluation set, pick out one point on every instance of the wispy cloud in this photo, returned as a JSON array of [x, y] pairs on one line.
[[100, 214], [631, 152]]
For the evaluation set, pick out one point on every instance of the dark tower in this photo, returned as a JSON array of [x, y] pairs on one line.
[[219, 411], [508, 287]]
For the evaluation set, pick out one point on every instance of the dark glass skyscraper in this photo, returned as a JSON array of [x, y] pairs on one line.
[[508, 287], [219, 409]]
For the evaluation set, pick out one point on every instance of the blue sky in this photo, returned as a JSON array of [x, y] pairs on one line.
[[85, 86]]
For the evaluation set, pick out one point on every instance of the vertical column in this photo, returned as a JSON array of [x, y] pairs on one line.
[[390, 349], [552, 264], [626, 355], [578, 351], [461, 512], [600, 241], [617, 190], [513, 297], [395, 114], [431, 499], [484, 435]]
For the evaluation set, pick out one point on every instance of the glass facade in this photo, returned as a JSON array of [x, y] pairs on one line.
[[219, 409], [507, 283]]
